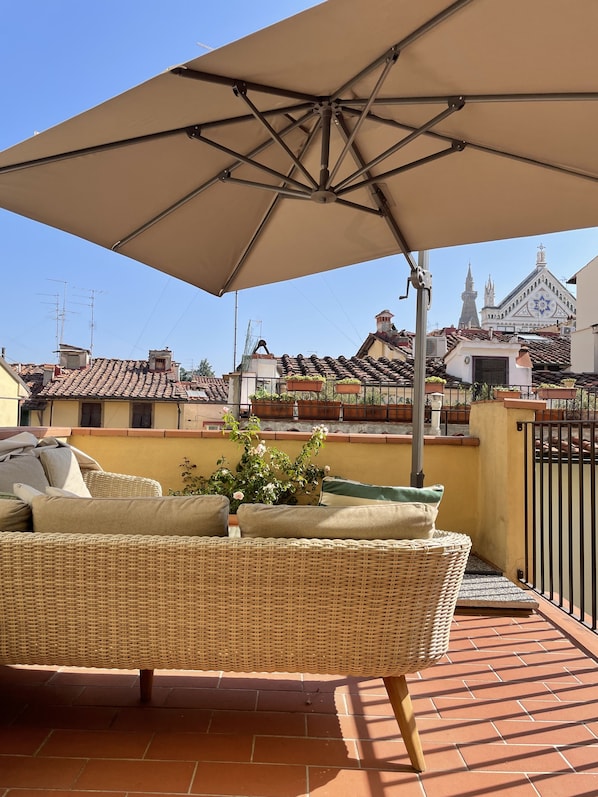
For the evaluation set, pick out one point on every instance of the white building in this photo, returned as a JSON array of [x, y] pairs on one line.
[[584, 340]]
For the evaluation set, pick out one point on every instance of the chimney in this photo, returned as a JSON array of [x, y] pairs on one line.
[[384, 321]]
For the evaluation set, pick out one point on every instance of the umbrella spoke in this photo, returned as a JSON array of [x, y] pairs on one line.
[[195, 133], [225, 177], [390, 62], [455, 104], [457, 146], [241, 91]]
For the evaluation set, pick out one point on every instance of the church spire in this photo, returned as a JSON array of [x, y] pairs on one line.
[[489, 293], [469, 313], [541, 257]]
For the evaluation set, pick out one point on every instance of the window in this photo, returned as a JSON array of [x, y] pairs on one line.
[[141, 416], [160, 364], [491, 370], [91, 413]]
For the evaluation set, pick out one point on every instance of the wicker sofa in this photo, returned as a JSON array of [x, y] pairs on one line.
[[321, 606]]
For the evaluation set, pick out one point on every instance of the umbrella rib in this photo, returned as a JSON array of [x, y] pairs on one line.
[[406, 41], [533, 161], [77, 153], [200, 189], [435, 99], [455, 104], [208, 77], [457, 146], [241, 91], [287, 192], [195, 133], [381, 202], [256, 235], [390, 62]]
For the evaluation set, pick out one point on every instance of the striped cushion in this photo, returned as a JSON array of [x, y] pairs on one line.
[[344, 492]]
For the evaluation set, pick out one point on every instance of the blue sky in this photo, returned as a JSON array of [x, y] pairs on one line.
[[60, 58]]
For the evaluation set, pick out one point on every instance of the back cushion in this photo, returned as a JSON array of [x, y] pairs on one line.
[[23, 468], [192, 515], [15, 515], [388, 521], [344, 492], [62, 470]]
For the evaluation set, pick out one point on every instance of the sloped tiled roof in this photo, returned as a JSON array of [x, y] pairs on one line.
[[368, 369], [206, 388]]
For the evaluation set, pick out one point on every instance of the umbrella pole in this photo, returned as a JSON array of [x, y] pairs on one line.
[[421, 279]]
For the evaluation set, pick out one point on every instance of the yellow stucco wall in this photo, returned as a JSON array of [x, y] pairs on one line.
[[382, 459], [115, 414], [9, 399]]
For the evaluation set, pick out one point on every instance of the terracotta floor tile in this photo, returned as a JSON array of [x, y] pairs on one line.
[[476, 784], [566, 785], [511, 690], [457, 730], [30, 772], [96, 744], [308, 702], [464, 708], [361, 783], [551, 711], [162, 719], [513, 758], [545, 733], [243, 699], [281, 723], [21, 741], [250, 780], [46, 792], [88, 717], [580, 692], [102, 695], [582, 758], [313, 752], [393, 755], [200, 747], [155, 776]]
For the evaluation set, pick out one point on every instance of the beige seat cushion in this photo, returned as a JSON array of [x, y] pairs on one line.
[[62, 470], [193, 515], [368, 522], [15, 515]]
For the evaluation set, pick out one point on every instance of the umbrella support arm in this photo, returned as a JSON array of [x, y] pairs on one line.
[[421, 279]]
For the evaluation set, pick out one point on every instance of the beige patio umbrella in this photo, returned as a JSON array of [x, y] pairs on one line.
[[355, 130]]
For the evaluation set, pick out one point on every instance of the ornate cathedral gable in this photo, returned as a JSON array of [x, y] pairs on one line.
[[538, 301]]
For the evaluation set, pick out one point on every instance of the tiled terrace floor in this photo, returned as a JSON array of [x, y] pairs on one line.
[[511, 710]]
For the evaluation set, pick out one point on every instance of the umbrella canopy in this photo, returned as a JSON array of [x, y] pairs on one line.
[[352, 131], [355, 130]]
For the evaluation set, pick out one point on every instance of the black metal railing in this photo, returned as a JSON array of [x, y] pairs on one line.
[[561, 542]]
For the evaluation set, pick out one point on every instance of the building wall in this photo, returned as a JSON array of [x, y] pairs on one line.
[[584, 341], [9, 400], [115, 414]]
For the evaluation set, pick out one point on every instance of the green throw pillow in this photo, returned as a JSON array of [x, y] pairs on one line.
[[345, 492]]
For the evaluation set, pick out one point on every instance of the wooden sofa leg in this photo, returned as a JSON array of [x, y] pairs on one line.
[[146, 681], [398, 692]]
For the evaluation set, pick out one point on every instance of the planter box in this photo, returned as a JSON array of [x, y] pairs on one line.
[[344, 390], [550, 415], [272, 409], [364, 412], [400, 412], [434, 387], [557, 392], [455, 415], [315, 410], [501, 395], [307, 385]]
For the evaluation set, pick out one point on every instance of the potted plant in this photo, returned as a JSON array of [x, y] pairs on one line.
[[347, 386], [502, 392], [456, 413], [263, 474], [549, 390], [435, 384], [309, 383], [272, 405]]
